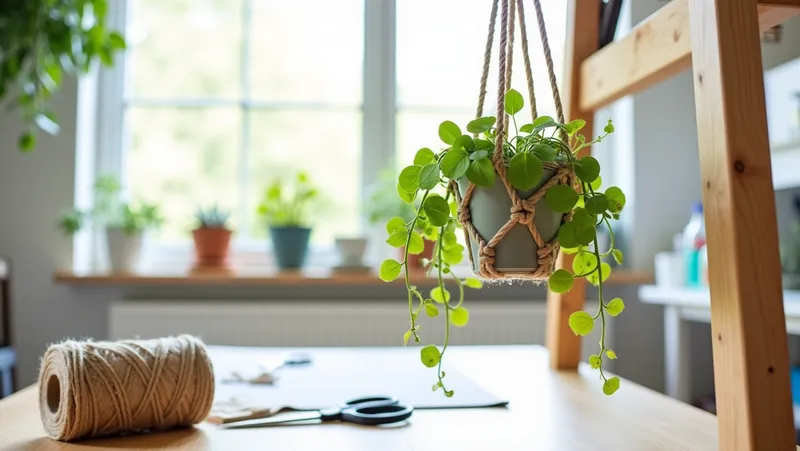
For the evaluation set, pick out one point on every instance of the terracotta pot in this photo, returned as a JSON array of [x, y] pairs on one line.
[[211, 247], [415, 260]]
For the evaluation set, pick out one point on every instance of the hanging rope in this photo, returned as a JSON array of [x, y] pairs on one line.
[[523, 211]]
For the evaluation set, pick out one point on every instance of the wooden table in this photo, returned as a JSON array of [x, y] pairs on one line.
[[547, 411]]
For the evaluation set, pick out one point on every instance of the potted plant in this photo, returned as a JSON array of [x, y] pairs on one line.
[[211, 238], [124, 223], [43, 44], [521, 196], [285, 208], [384, 203]]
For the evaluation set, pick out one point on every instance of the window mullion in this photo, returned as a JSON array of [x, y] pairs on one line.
[[244, 147]]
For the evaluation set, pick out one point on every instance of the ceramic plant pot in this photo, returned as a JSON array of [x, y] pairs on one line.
[[211, 247], [290, 245], [123, 249], [489, 211], [351, 251], [415, 260]]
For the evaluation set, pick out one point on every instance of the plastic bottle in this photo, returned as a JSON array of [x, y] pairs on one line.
[[704, 266], [694, 237]]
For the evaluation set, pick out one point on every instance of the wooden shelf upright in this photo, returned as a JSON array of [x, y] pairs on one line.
[[720, 40]]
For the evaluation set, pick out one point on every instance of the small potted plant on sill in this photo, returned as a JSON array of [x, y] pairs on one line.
[[521, 199], [211, 238], [124, 223], [384, 204], [285, 209]]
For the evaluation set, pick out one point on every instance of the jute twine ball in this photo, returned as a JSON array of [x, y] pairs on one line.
[[95, 389]]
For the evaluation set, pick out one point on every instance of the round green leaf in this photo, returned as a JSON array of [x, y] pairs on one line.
[[611, 386], [616, 199], [582, 218], [472, 282], [561, 281], [431, 310], [544, 152], [481, 124], [611, 354], [597, 183], [390, 270], [459, 317], [481, 172], [409, 179], [587, 169], [566, 236], [527, 128], [398, 238], [449, 239], [405, 195], [561, 199], [594, 277], [482, 144], [584, 262], [574, 126], [543, 122], [437, 210], [429, 176], [524, 171], [449, 132], [478, 154], [440, 295], [615, 307], [424, 156], [406, 337], [464, 142], [453, 255], [430, 356], [416, 245], [617, 256], [455, 163], [395, 223], [609, 128], [596, 204], [514, 102], [595, 361], [570, 250], [581, 323]]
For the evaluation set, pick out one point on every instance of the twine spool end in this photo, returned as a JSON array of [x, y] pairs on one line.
[[53, 393]]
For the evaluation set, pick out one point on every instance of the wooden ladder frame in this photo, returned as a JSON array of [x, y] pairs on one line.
[[720, 40]]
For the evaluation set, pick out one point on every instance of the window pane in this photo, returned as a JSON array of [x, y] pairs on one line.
[[307, 50], [440, 59], [185, 48], [325, 144], [183, 159]]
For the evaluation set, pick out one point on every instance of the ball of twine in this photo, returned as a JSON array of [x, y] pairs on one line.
[[94, 389]]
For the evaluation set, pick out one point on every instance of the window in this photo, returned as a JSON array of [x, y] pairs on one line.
[[216, 97]]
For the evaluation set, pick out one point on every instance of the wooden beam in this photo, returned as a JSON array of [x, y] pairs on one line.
[[583, 19], [751, 358], [656, 49]]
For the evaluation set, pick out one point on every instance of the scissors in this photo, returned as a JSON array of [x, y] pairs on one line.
[[368, 411]]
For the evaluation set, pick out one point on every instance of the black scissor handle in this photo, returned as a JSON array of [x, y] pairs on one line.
[[368, 401], [373, 415]]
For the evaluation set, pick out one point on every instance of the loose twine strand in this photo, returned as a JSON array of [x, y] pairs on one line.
[[95, 389], [523, 211]]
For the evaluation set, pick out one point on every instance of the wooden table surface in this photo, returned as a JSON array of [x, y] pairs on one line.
[[547, 411]]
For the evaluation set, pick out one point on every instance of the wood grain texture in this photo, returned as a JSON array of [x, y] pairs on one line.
[[548, 411], [751, 360], [583, 22], [655, 50], [267, 278]]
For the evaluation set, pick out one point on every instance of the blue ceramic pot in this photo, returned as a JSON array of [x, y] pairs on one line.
[[290, 245]]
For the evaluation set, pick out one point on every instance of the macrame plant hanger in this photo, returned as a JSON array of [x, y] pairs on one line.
[[523, 210]]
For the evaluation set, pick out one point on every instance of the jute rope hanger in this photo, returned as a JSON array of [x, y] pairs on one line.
[[523, 211]]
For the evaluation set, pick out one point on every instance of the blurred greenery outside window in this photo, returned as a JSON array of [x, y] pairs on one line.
[[221, 96]]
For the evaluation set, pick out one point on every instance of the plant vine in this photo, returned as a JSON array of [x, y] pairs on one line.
[[433, 176]]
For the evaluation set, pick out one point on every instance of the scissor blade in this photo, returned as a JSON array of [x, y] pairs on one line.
[[274, 421]]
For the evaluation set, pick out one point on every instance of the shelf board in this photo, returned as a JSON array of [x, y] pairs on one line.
[[324, 277]]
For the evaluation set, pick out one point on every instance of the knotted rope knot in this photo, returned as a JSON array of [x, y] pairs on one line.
[[522, 213]]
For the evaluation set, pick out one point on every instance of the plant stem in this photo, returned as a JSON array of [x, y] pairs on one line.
[[446, 307], [405, 270]]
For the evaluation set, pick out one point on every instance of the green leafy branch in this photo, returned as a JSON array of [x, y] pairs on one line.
[[433, 176]]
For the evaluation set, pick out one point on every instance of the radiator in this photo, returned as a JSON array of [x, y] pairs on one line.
[[293, 323]]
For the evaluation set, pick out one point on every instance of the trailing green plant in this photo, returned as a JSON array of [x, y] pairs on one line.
[[42, 42], [109, 211], [212, 218], [289, 204], [383, 202], [432, 179]]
